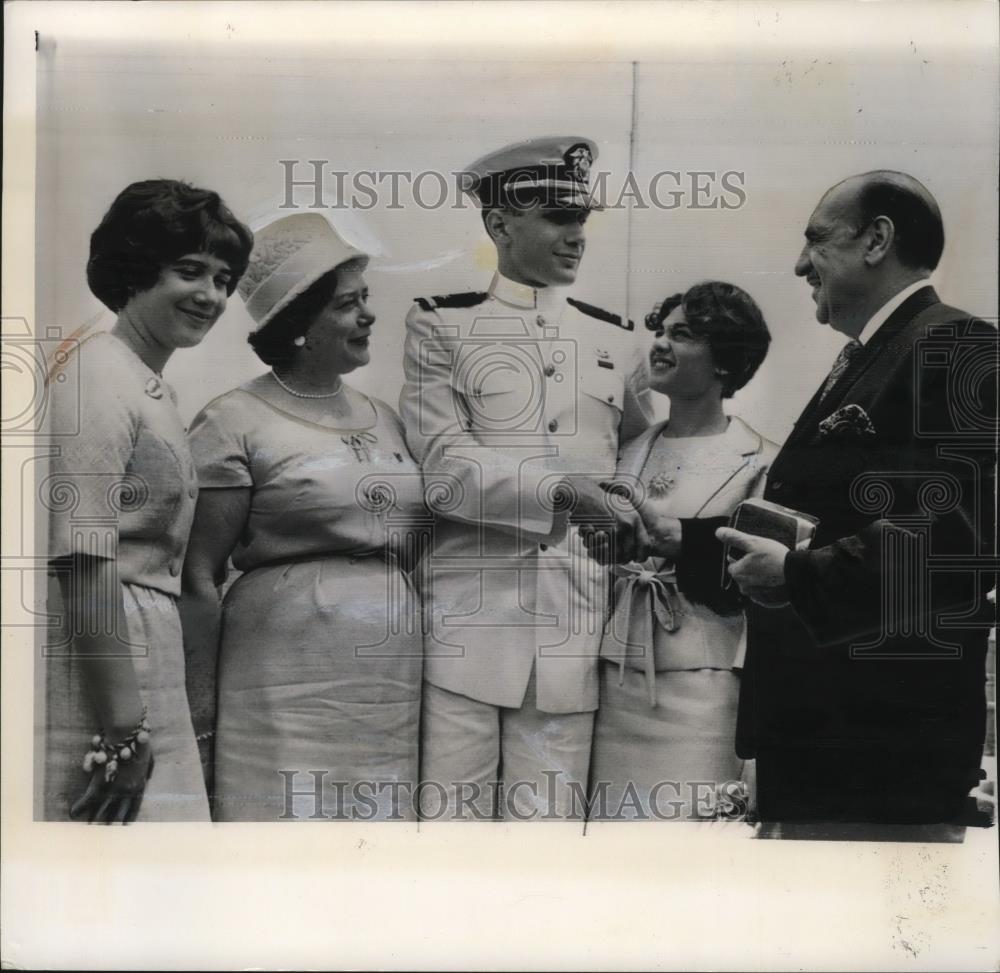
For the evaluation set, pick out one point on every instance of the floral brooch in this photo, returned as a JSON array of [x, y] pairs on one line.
[[849, 421], [661, 484]]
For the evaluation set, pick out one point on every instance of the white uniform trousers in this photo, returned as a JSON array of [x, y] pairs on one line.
[[482, 762]]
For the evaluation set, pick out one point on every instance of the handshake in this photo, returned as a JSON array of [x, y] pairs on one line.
[[615, 526], [618, 527]]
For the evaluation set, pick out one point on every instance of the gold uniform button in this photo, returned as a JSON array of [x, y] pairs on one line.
[[540, 320], [550, 370], [175, 569], [543, 547], [553, 425], [611, 398]]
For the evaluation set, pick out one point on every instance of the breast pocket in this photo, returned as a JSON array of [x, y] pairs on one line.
[[502, 395], [605, 385], [599, 404]]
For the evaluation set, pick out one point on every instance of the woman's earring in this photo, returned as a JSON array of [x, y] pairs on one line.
[[299, 341]]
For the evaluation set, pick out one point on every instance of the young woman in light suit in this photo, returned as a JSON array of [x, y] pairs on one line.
[[672, 649]]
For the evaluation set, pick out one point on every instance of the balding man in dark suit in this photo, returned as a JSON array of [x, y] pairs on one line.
[[863, 693]]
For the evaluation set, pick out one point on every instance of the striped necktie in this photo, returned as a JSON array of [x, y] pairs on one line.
[[847, 354]]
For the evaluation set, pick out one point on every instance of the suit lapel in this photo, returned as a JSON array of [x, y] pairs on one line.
[[636, 452], [821, 406], [740, 444], [915, 304]]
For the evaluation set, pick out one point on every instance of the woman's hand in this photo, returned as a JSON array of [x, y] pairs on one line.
[[615, 531], [116, 801], [220, 518], [92, 594]]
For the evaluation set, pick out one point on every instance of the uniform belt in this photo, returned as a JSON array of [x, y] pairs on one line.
[[384, 554]]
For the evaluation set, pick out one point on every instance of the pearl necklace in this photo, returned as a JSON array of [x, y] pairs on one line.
[[308, 395]]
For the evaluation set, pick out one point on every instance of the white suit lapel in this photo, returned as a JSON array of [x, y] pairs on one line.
[[740, 443]]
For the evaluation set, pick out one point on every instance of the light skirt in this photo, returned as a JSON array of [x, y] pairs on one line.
[[671, 761], [176, 789], [319, 694]]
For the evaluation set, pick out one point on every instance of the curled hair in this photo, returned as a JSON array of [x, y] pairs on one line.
[[274, 344], [152, 223], [728, 319]]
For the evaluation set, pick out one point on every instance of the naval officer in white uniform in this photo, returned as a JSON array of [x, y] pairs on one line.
[[515, 397]]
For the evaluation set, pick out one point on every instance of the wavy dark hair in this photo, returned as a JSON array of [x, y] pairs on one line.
[[274, 344], [152, 223], [728, 319]]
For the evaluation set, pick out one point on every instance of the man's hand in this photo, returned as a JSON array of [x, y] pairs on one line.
[[759, 571], [609, 525], [616, 532]]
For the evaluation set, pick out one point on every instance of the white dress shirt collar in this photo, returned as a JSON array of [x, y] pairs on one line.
[[882, 314]]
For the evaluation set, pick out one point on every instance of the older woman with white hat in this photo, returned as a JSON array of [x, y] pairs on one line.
[[307, 484]]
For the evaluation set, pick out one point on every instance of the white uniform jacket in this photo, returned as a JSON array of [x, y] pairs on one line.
[[508, 391]]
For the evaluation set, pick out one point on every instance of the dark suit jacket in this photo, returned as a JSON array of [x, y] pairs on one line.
[[864, 700]]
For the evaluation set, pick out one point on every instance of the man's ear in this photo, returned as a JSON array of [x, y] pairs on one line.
[[881, 235], [496, 225]]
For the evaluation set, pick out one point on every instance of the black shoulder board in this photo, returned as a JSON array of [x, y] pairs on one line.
[[468, 299], [601, 314]]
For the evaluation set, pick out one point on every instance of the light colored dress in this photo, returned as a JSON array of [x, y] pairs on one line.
[[321, 652], [664, 736], [123, 485]]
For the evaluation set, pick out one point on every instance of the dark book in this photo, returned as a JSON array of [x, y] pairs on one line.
[[762, 518]]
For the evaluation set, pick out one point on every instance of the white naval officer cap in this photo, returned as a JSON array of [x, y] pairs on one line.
[[289, 255], [552, 171]]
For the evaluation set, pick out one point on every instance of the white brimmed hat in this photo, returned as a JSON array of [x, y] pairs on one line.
[[289, 255]]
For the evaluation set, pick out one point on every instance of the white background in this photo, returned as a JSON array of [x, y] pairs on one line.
[[793, 117]]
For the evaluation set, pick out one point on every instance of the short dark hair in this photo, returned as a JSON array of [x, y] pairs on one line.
[[152, 223], [274, 344], [728, 319], [919, 236]]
